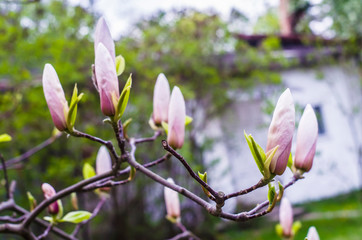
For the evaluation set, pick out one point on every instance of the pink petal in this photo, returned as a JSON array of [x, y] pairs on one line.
[[103, 35], [176, 119], [161, 99], [286, 217], [172, 201]]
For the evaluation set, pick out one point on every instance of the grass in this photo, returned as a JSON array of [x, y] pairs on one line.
[[338, 218]]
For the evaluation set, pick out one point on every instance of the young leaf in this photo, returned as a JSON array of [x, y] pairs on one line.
[[125, 126], [279, 230], [165, 126], [76, 217], [281, 191], [188, 120], [5, 137], [32, 201], [88, 171], [132, 173], [269, 156], [204, 178], [253, 146], [272, 197], [296, 227], [123, 99], [120, 64], [72, 113], [290, 161]]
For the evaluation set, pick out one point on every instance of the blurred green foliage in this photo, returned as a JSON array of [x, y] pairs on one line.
[[196, 50]]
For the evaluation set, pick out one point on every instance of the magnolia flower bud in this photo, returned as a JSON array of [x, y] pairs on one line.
[[49, 192], [103, 161], [172, 202], [286, 217], [306, 140], [281, 132], [103, 35], [312, 234], [176, 119], [161, 98], [107, 80], [55, 98]]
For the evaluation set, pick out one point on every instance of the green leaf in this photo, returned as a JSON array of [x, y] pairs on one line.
[[290, 161], [256, 151], [32, 201], [281, 191], [279, 230], [188, 120], [72, 113], [125, 126], [269, 157], [120, 64], [132, 173], [5, 137], [76, 217], [296, 227], [271, 194], [88, 171], [165, 126], [49, 219], [123, 99], [204, 178]]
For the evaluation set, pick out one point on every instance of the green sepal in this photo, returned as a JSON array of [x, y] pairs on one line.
[[152, 124], [88, 171], [269, 157], [281, 191], [172, 219], [32, 201], [5, 137], [296, 227], [123, 99], [76, 217], [108, 120], [165, 126], [120, 64], [132, 173], [72, 112], [272, 197], [279, 230], [256, 151], [61, 210], [188, 120], [203, 177]]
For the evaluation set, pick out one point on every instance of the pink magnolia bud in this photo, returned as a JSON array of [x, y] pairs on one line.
[[107, 80], [306, 140], [161, 99], [286, 217], [176, 119], [49, 192], [103, 35], [103, 161], [312, 234], [172, 201], [54, 96], [281, 132]]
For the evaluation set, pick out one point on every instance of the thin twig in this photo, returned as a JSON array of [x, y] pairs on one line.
[[46, 232], [219, 199], [11, 219], [261, 183], [7, 194], [95, 212], [149, 139], [32, 151]]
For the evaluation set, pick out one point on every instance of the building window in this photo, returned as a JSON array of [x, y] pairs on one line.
[[318, 113]]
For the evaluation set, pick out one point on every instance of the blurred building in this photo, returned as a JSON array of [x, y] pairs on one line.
[[333, 89]]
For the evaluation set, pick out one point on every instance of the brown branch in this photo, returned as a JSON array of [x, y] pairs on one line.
[[95, 213], [260, 184], [218, 197]]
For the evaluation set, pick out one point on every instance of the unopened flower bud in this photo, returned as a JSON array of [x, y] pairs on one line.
[[49, 192], [55, 98], [172, 202], [286, 217], [161, 98], [107, 80], [281, 132], [103, 35], [312, 234], [176, 119], [103, 163], [306, 140]]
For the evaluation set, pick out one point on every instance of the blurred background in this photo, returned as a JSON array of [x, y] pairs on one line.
[[231, 59]]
